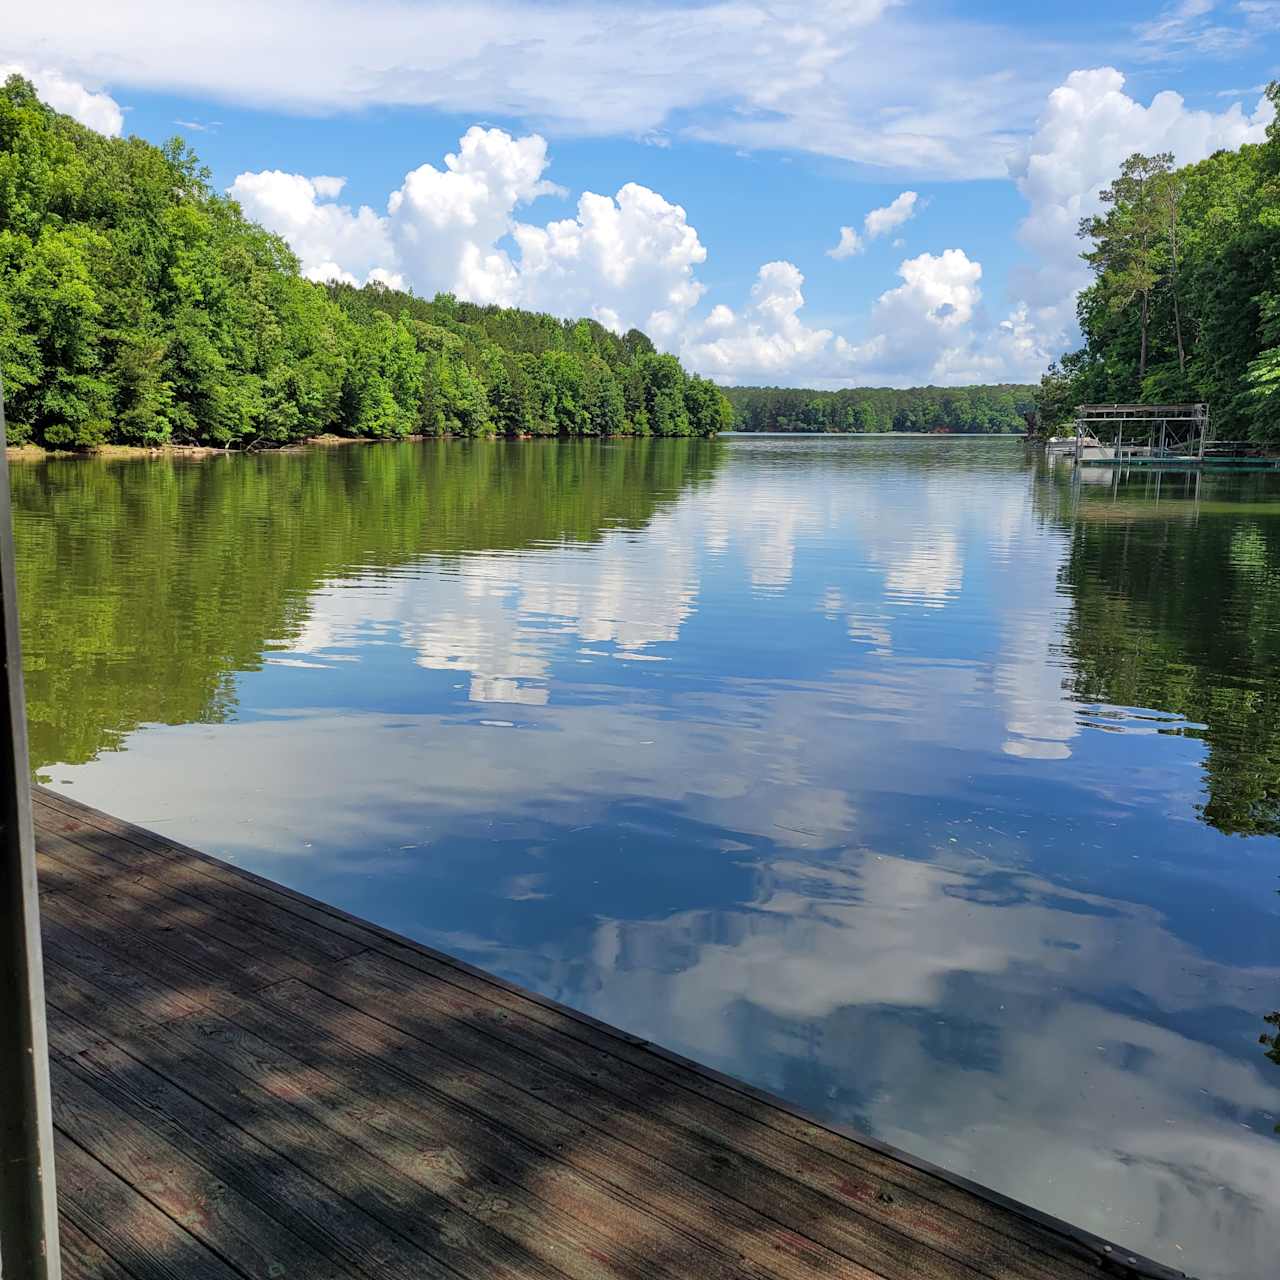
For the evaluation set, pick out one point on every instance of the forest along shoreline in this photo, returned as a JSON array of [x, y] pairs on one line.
[[122, 452], [139, 307]]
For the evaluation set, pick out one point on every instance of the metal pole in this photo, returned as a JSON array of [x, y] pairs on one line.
[[28, 1194]]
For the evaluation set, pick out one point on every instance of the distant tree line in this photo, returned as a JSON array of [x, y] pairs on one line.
[[1185, 301], [995, 408], [137, 306]]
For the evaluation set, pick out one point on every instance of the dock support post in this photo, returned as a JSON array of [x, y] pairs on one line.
[[28, 1194]]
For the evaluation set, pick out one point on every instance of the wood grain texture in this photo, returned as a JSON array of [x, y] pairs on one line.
[[250, 1083]]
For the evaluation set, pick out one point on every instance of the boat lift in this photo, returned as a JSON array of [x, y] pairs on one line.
[[1142, 434]]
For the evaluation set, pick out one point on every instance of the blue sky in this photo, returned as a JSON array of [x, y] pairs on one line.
[[686, 167]]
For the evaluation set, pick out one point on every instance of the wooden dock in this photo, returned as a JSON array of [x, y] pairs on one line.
[[1229, 462], [249, 1083]]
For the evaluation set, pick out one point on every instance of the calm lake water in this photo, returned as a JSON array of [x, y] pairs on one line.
[[897, 776]]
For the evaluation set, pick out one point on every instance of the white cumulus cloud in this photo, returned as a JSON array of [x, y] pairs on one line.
[[880, 222], [100, 111], [850, 243], [942, 289], [929, 328], [919, 326], [627, 259], [332, 241], [769, 341], [446, 223]]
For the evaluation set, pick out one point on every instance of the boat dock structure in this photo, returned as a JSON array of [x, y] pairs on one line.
[[248, 1084], [1167, 436]]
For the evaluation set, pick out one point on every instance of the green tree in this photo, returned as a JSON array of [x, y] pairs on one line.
[[707, 409], [663, 381], [602, 398], [563, 374], [56, 300], [464, 401], [1127, 239], [1167, 194], [538, 396]]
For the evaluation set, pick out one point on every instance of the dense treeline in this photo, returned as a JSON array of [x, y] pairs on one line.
[[1185, 303], [137, 306], [997, 408]]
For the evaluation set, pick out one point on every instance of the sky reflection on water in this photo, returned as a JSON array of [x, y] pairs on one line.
[[803, 775]]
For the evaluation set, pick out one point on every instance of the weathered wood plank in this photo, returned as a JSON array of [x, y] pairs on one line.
[[127, 1227], [147, 939], [282, 1119], [218, 886], [154, 1000], [306, 1021], [440, 1106], [254, 897], [832, 1158], [85, 1259], [885, 1230], [428, 1171], [219, 1214], [68, 1037], [332, 1220], [73, 872]]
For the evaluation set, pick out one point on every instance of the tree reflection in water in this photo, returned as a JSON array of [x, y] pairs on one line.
[[1175, 595]]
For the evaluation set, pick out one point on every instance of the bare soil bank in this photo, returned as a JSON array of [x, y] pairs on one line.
[[37, 453]]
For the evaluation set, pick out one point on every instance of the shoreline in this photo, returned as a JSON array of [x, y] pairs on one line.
[[125, 452], [882, 435], [38, 453], [195, 452]]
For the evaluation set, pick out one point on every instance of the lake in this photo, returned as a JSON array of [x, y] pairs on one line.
[[931, 788]]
